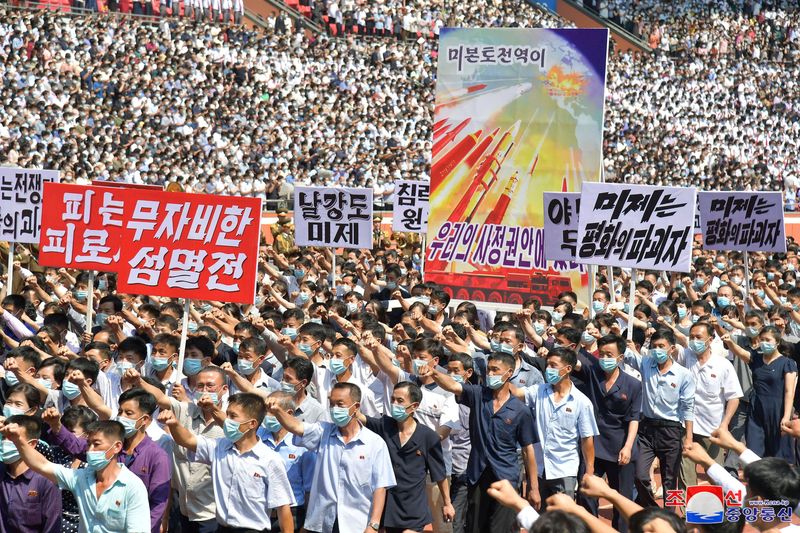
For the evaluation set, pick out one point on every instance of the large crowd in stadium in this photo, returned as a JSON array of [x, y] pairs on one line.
[[224, 109], [355, 394]]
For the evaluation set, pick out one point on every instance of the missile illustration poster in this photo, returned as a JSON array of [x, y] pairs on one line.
[[518, 112]]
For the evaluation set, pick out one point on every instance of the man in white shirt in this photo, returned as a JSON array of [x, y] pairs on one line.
[[353, 469]]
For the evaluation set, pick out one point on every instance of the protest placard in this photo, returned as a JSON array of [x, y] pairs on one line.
[[197, 246], [81, 227], [637, 226], [744, 221], [561, 211], [411, 206], [21, 191], [339, 217]]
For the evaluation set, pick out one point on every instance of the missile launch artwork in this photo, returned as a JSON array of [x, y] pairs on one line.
[[518, 112]]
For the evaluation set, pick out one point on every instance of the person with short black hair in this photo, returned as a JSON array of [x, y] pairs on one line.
[[249, 478], [122, 505], [29, 502]]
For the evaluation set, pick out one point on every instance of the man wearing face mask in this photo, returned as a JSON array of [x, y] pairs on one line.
[[618, 400], [240, 459], [123, 506], [718, 392], [600, 301], [340, 370], [494, 412], [252, 352], [418, 450], [668, 414], [512, 342], [204, 418], [347, 454], [29, 501], [146, 459], [565, 421]]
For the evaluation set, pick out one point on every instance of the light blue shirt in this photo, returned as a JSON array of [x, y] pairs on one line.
[[668, 396], [345, 476], [560, 428], [299, 463], [122, 506], [246, 485]]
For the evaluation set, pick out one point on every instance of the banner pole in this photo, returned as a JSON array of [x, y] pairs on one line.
[[631, 305], [90, 303], [184, 331], [333, 272], [422, 259], [612, 290], [746, 281], [10, 271]]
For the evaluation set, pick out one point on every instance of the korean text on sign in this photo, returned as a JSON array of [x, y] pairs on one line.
[[637, 226], [751, 221], [21, 193], [411, 206], [496, 55], [333, 217], [190, 246], [81, 227], [561, 225]]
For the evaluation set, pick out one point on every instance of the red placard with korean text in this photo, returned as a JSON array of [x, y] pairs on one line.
[[81, 227], [184, 245]]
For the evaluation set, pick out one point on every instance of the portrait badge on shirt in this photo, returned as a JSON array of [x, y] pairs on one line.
[[568, 409], [623, 396], [673, 385], [33, 493], [292, 456], [714, 376], [361, 457], [508, 421], [118, 503], [419, 453]]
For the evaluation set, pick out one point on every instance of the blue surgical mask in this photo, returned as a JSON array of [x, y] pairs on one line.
[[191, 327], [506, 348], [723, 301], [70, 390], [159, 364], [399, 412], [608, 364], [11, 378], [305, 348], [494, 345], [337, 366], [303, 297], [271, 424], [245, 367], [699, 283], [539, 328], [80, 295], [192, 366], [682, 312], [391, 285], [288, 388], [751, 331], [122, 366], [552, 375], [290, 332], [340, 415], [213, 396], [557, 317], [659, 354], [626, 308], [100, 319], [720, 266], [668, 319], [433, 309], [587, 338], [598, 306], [298, 273], [128, 424], [418, 364], [767, 348], [235, 346], [11, 411], [695, 318], [96, 460], [316, 321], [494, 382], [102, 284], [770, 275], [46, 383], [457, 378], [231, 430], [8, 452], [352, 308], [697, 346]]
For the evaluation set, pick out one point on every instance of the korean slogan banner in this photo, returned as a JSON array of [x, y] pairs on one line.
[[160, 243], [411, 206], [561, 211], [746, 221], [637, 226], [20, 202], [518, 112], [337, 217]]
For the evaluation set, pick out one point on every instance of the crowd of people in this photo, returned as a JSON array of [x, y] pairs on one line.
[[359, 398]]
